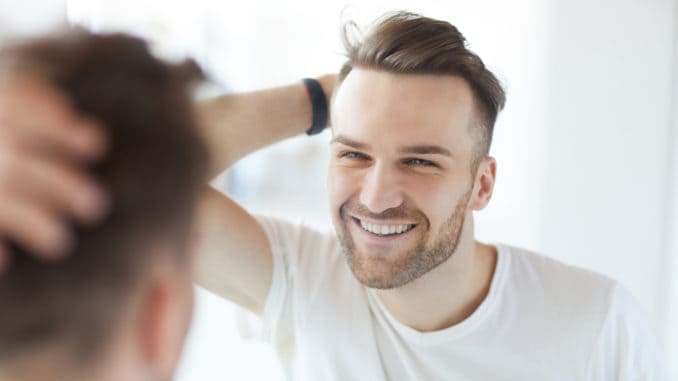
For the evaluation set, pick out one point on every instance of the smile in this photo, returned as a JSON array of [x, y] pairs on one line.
[[385, 229]]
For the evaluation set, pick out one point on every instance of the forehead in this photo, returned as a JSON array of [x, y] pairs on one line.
[[403, 108]]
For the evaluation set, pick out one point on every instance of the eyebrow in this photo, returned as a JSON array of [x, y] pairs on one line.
[[413, 150], [341, 139], [426, 150]]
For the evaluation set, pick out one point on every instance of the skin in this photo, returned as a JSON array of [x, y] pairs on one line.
[[401, 155]]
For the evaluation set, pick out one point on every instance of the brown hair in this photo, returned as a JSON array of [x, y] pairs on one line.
[[407, 43], [153, 171]]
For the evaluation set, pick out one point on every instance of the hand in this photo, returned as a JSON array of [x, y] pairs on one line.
[[44, 146]]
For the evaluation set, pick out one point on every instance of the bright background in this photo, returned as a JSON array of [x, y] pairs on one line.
[[587, 145]]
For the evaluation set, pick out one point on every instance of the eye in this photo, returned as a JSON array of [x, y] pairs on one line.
[[419, 162], [353, 155]]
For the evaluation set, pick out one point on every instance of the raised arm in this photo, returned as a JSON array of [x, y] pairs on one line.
[[234, 257], [237, 124]]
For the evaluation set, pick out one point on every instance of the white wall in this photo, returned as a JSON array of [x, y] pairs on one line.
[[671, 232], [30, 17], [608, 148]]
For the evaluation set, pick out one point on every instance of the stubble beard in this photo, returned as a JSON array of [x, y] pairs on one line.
[[412, 264]]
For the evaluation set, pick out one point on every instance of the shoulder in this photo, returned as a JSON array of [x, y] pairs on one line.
[[627, 347], [298, 242], [558, 280], [561, 296], [595, 310], [310, 278]]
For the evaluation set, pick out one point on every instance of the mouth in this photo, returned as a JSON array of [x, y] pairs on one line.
[[382, 229]]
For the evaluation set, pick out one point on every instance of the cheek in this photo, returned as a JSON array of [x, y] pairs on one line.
[[436, 197], [342, 184]]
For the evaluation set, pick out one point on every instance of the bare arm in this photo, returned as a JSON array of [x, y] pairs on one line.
[[234, 256], [238, 124]]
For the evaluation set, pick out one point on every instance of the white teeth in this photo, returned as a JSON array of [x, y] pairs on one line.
[[385, 229]]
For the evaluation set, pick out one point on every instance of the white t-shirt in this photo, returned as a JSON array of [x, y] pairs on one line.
[[541, 320]]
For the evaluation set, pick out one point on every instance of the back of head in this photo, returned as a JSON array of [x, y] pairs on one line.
[[153, 171], [407, 43]]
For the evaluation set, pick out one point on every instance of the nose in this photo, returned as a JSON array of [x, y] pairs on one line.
[[380, 190]]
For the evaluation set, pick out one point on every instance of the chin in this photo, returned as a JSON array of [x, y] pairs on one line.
[[377, 270], [375, 279]]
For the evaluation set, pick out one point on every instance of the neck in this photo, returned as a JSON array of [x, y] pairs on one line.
[[449, 293], [57, 363]]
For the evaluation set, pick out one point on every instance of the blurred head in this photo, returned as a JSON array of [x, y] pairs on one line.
[[412, 124], [121, 302]]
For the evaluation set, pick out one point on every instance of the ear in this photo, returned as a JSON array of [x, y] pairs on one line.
[[165, 318], [484, 183]]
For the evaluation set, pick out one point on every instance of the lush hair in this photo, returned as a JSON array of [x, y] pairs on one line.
[[154, 169], [407, 43]]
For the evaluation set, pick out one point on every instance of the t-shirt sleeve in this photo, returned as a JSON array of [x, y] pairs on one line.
[[301, 257], [627, 348]]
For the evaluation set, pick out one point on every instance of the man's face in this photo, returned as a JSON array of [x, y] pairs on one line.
[[400, 176]]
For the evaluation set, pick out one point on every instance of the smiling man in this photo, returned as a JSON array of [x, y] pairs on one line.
[[400, 194], [403, 291]]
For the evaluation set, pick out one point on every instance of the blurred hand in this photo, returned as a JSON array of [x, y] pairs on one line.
[[44, 147]]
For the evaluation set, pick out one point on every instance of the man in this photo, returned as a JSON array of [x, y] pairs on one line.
[[118, 308], [403, 291]]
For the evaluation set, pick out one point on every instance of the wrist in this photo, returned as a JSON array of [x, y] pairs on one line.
[[319, 92]]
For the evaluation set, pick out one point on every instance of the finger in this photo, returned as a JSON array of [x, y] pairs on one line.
[[79, 138], [60, 185], [32, 228], [34, 113]]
